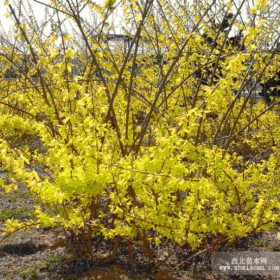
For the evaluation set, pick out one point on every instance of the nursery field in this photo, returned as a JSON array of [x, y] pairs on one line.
[[143, 157]]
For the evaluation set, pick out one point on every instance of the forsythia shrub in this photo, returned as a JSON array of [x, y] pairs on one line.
[[173, 174]]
